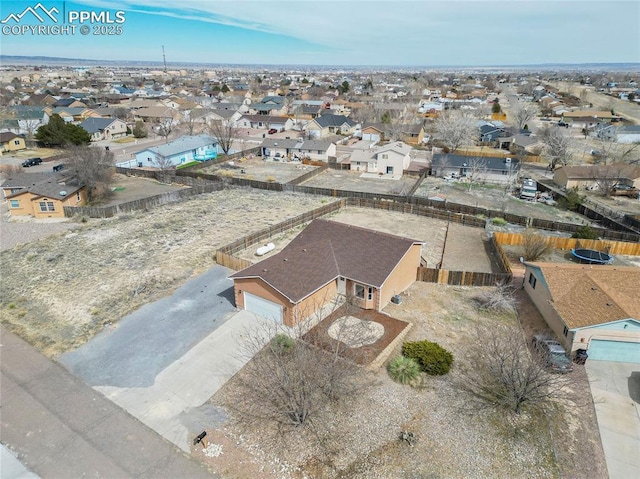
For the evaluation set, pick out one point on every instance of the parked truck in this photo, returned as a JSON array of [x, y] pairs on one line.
[[529, 189]]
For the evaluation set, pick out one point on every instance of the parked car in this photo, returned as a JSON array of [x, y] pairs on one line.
[[552, 354], [31, 162], [58, 167], [272, 131]]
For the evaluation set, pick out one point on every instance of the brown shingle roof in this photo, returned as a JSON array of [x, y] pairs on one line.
[[325, 250], [614, 170], [586, 295]]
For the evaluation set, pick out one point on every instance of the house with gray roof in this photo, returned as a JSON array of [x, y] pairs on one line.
[[298, 149], [104, 128], [484, 169], [325, 125], [177, 152]]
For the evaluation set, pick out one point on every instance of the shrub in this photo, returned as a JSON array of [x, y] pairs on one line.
[[282, 343], [432, 358], [270, 179], [403, 370], [499, 221], [535, 245], [571, 199], [585, 232]]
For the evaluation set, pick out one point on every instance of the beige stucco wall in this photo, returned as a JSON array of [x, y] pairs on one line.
[[12, 146], [402, 276], [308, 306]]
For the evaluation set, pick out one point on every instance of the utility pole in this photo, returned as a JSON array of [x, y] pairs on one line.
[[164, 59]]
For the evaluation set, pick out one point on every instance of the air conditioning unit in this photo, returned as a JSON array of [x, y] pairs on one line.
[[507, 160]]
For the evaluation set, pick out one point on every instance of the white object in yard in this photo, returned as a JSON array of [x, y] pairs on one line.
[[230, 163], [213, 450], [265, 249]]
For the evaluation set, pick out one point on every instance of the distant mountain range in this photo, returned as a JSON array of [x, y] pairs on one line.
[[78, 62]]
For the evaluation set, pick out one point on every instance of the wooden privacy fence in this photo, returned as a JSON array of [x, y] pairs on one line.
[[308, 175], [141, 204], [613, 247], [503, 261], [461, 278], [224, 255]]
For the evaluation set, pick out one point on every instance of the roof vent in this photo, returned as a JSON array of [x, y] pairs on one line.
[[265, 270]]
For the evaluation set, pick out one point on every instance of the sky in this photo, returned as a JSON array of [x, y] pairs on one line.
[[328, 32]]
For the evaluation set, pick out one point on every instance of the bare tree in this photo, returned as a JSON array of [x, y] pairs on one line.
[[534, 244], [298, 373], [455, 130], [190, 120], [523, 114], [501, 299], [557, 145], [608, 176], [92, 167], [164, 127], [224, 133], [166, 167], [502, 373], [475, 171]]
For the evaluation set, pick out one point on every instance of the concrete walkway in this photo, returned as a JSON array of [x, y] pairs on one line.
[[60, 428], [183, 387], [616, 393]]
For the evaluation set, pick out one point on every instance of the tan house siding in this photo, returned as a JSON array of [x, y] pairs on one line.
[[402, 276], [14, 144], [29, 204], [311, 304]]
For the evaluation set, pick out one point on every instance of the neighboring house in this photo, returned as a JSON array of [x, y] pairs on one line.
[[72, 114], [69, 103], [490, 133], [11, 142], [29, 118], [372, 133], [485, 169], [391, 159], [326, 125], [265, 122], [104, 128], [177, 152], [157, 114], [298, 148], [270, 105], [621, 134], [588, 176], [589, 307], [325, 260], [42, 195], [579, 118]]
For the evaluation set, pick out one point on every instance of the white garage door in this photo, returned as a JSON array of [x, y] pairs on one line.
[[262, 307], [620, 351]]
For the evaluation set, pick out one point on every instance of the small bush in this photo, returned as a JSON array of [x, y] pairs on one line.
[[270, 179], [282, 343], [432, 358], [535, 245], [585, 232], [499, 221], [571, 199], [403, 370]]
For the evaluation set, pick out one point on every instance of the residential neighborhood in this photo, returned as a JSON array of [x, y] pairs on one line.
[[285, 269]]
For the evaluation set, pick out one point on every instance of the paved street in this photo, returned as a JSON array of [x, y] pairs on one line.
[[616, 393], [60, 428]]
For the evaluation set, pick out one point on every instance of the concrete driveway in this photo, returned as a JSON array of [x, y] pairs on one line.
[[164, 361], [615, 388]]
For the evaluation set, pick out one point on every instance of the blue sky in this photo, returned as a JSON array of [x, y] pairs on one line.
[[348, 32]]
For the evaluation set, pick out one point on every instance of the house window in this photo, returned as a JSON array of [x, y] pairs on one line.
[[532, 280], [15, 203], [385, 156], [359, 291], [565, 331], [47, 206], [370, 293], [78, 196], [16, 142]]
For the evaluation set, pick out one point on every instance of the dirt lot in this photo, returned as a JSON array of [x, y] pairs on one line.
[[360, 439], [352, 181], [130, 188], [58, 292], [255, 168], [464, 250], [493, 197]]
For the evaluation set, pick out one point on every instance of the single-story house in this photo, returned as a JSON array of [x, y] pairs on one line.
[[486, 169], [176, 152], [104, 128], [621, 134], [578, 118], [390, 159], [298, 148], [327, 259], [587, 176], [490, 133], [42, 195], [154, 114], [326, 125], [589, 307], [270, 105], [265, 122], [9, 141]]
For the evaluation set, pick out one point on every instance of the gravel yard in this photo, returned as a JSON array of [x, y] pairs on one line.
[[360, 439], [256, 168], [59, 291], [353, 181]]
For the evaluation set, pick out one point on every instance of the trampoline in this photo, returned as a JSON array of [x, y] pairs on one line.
[[592, 256]]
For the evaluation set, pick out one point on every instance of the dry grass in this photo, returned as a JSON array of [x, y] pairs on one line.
[[360, 440], [66, 287]]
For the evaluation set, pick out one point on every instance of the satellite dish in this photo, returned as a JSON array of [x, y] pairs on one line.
[[63, 193]]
